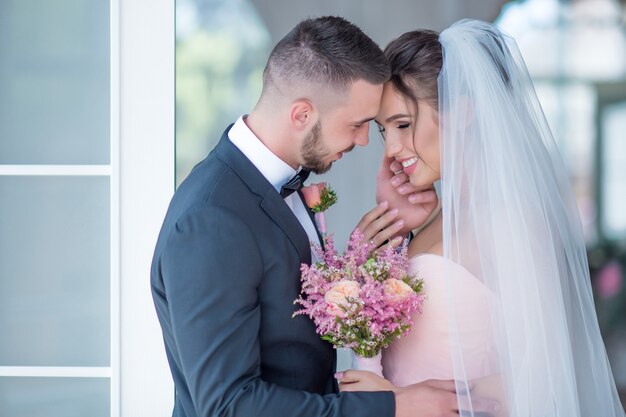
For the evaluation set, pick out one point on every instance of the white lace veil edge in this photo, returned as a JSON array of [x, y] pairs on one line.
[[509, 218]]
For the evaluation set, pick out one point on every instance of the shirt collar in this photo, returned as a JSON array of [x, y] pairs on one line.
[[274, 169]]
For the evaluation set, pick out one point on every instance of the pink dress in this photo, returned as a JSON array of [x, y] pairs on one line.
[[425, 353]]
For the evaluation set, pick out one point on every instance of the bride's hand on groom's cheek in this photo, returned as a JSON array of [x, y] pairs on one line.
[[414, 205], [352, 380]]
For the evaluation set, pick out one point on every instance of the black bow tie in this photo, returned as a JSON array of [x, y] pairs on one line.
[[295, 183]]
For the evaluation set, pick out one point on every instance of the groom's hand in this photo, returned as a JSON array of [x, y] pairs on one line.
[[439, 398], [425, 399], [414, 205], [353, 380]]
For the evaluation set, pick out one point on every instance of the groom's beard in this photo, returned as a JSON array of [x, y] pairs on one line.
[[313, 153]]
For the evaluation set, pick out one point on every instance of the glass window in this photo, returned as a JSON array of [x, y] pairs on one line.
[[54, 269], [55, 397], [614, 167], [54, 79]]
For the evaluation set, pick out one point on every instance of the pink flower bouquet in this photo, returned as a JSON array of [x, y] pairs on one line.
[[362, 299]]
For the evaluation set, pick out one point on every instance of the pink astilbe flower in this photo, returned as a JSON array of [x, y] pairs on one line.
[[362, 299]]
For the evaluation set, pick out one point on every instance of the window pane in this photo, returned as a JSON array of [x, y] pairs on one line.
[[54, 397], [54, 271], [571, 110], [614, 178], [54, 82]]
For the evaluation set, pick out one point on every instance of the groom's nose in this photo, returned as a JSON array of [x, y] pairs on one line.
[[363, 138]]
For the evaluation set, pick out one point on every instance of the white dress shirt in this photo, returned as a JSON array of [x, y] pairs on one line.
[[274, 169]]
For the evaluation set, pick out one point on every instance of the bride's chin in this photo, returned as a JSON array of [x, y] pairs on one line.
[[420, 185]]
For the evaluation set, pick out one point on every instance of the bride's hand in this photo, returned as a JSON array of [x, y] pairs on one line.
[[352, 380], [380, 225], [414, 205]]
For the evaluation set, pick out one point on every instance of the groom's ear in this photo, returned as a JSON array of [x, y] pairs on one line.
[[303, 114]]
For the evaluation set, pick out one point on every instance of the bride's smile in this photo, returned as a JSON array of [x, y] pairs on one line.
[[409, 165]]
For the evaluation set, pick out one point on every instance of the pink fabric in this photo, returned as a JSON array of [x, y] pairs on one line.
[[425, 353]]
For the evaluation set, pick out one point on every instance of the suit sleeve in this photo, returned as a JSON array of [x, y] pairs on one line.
[[211, 269]]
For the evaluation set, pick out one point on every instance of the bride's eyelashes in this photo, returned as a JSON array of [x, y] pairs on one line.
[[404, 125], [383, 131]]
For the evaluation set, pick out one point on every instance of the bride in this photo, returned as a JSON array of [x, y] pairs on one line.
[[509, 313]]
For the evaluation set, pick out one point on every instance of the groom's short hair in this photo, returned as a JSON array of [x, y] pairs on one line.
[[328, 52]]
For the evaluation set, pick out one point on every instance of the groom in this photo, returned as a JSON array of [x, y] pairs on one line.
[[226, 266]]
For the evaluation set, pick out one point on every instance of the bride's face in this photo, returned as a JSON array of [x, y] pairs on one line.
[[411, 135]]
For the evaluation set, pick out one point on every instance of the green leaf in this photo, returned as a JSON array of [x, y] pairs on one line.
[[328, 197]]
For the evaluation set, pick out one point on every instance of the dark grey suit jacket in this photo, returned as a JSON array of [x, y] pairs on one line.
[[224, 276]]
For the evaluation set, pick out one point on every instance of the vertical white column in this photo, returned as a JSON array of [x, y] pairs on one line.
[[114, 40], [147, 183]]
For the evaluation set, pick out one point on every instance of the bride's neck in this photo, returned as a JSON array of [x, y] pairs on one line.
[[429, 238]]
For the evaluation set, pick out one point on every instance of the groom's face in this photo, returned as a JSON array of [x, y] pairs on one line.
[[340, 129]]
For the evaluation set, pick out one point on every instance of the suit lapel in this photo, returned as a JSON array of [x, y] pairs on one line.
[[275, 207], [312, 216], [271, 201]]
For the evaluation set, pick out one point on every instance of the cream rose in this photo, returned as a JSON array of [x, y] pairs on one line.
[[397, 289], [337, 296]]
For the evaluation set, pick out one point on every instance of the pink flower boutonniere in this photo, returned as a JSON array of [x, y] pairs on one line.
[[319, 197]]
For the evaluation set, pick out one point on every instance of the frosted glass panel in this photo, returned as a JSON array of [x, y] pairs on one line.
[[54, 82], [54, 271], [54, 397]]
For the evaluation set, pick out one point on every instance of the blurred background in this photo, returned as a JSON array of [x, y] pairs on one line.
[[106, 105]]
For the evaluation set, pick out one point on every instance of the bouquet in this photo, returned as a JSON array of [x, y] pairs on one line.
[[361, 300]]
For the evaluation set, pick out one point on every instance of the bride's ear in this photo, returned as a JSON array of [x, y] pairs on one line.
[[302, 115]]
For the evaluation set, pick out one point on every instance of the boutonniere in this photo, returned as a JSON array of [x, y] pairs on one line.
[[319, 197]]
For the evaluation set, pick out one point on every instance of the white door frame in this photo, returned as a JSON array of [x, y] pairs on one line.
[[147, 161]]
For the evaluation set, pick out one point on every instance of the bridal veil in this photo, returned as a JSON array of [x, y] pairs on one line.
[[509, 217]]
